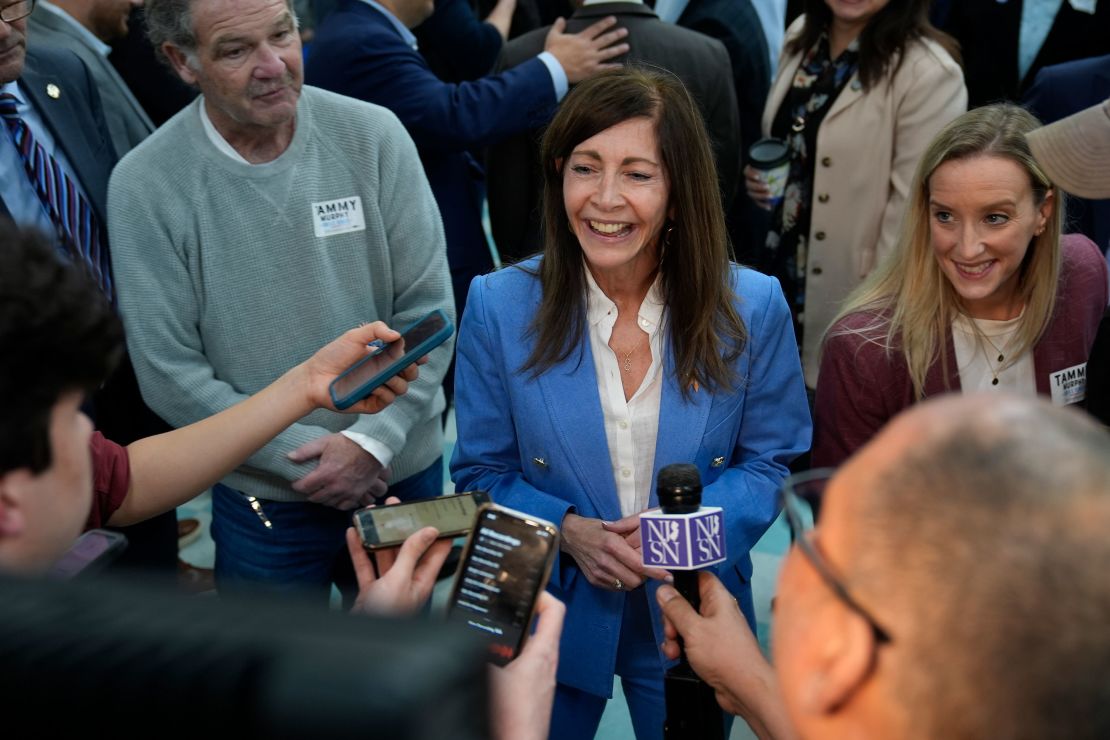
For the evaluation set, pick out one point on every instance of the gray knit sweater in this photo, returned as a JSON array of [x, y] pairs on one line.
[[228, 274]]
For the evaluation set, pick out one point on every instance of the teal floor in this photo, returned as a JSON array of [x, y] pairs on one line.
[[615, 724]]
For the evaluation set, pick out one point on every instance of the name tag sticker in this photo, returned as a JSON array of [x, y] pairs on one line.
[[342, 216], [1084, 6], [1069, 385]]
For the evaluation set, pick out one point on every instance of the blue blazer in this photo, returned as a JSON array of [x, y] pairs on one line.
[[358, 52], [741, 442]]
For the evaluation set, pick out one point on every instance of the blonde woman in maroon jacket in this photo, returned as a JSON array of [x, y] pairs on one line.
[[981, 293]]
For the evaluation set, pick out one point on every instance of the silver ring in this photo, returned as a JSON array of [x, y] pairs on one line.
[[619, 585]]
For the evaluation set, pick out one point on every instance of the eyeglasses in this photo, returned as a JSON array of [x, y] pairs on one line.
[[17, 10], [801, 501]]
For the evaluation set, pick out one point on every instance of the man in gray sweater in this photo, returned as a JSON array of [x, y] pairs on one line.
[[260, 221]]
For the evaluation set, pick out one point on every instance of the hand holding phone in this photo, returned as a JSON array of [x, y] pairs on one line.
[[504, 570], [404, 576], [381, 527], [371, 372]]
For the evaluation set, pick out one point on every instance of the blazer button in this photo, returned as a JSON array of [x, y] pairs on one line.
[[826, 161], [823, 198], [819, 236]]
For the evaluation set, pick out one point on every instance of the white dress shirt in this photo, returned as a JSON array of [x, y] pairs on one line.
[[631, 426]]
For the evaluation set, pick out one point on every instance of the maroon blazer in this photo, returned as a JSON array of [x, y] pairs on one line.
[[860, 387]]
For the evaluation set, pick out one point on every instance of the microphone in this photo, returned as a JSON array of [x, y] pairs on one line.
[[683, 537]]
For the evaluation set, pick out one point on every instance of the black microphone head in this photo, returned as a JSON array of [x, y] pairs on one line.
[[679, 488]]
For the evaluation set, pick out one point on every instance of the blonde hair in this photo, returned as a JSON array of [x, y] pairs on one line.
[[909, 300]]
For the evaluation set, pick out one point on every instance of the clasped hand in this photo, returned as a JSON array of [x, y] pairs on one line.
[[607, 552]]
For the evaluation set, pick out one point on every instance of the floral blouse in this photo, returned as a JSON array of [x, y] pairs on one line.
[[817, 82]]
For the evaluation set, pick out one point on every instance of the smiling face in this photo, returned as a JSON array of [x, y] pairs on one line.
[[983, 216], [616, 192], [855, 13], [247, 63]]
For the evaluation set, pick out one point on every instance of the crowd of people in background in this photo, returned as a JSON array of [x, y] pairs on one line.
[[209, 208]]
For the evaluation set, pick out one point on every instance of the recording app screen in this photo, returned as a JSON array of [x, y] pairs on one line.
[[447, 514], [370, 367], [500, 580]]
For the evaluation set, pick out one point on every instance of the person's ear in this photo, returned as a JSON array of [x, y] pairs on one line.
[[12, 520], [843, 662], [1044, 210], [180, 62]]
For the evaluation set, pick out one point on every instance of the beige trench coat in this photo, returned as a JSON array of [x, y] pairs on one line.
[[867, 149]]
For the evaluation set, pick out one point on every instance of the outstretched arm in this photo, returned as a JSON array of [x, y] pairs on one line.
[[169, 469]]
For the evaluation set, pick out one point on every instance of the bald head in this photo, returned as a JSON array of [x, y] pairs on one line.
[[981, 533]]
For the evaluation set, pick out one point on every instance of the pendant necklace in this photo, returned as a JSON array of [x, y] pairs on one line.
[[1001, 358], [626, 361]]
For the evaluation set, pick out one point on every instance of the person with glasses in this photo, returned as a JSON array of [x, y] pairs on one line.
[[954, 586], [982, 292]]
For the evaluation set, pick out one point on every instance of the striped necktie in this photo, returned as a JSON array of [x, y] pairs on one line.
[[69, 211]]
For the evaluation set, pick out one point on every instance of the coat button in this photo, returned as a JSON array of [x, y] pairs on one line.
[[823, 198], [817, 270], [819, 236], [826, 161]]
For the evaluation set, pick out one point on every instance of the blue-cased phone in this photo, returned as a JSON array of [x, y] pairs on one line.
[[359, 380]]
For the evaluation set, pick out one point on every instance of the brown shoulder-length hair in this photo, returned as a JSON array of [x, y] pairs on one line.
[[882, 41], [706, 332]]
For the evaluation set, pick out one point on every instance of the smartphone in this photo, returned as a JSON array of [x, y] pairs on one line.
[[90, 553], [504, 570], [359, 380], [389, 525]]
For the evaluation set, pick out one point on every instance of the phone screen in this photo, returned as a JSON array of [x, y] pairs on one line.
[[92, 550], [356, 377], [392, 524], [506, 567]]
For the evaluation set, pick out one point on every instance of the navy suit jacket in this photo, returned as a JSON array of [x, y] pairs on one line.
[[360, 54], [988, 32], [1057, 92], [741, 442], [75, 119]]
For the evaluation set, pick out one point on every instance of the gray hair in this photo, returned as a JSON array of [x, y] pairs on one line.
[[171, 21]]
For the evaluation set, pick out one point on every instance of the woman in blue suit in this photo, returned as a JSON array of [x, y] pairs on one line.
[[632, 343]]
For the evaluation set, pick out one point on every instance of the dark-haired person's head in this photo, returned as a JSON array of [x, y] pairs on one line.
[[629, 182], [59, 339], [883, 28], [972, 530]]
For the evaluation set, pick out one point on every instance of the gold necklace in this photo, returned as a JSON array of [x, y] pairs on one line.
[[1001, 358], [626, 362]]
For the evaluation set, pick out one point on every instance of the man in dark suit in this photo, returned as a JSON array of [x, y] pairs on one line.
[[56, 98], [364, 49], [736, 25], [989, 32], [86, 27], [701, 63], [1058, 92]]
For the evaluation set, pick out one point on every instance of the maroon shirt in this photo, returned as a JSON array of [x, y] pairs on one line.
[[111, 478], [860, 387]]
